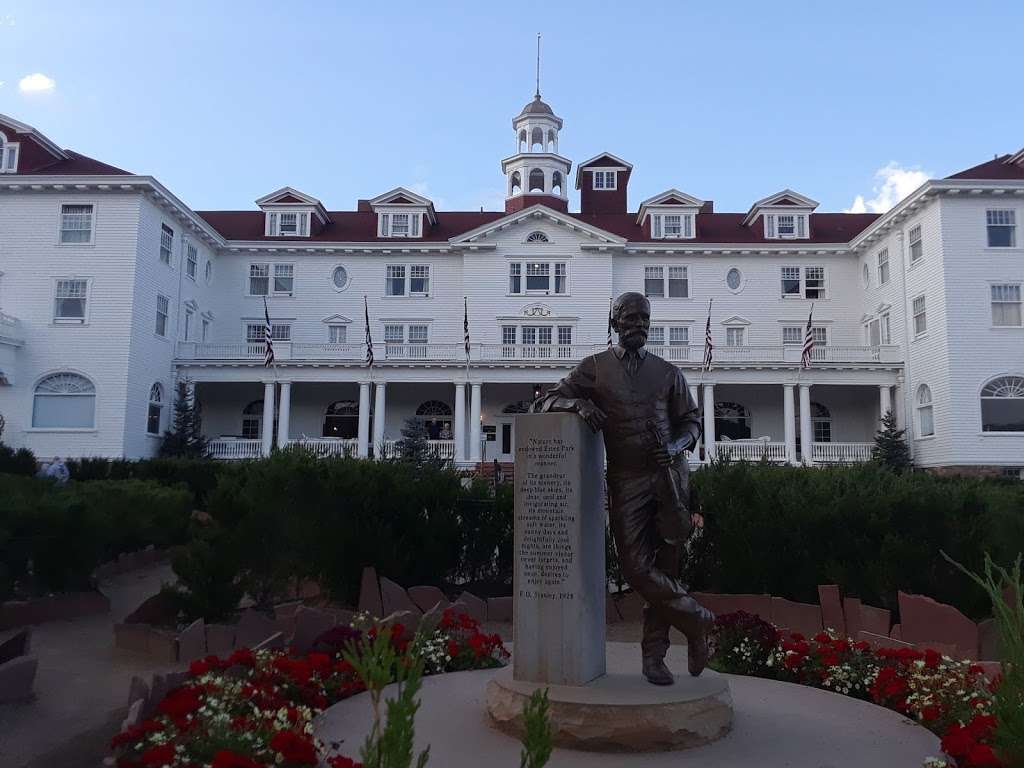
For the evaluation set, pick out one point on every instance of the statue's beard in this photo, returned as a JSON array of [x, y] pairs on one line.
[[634, 339]]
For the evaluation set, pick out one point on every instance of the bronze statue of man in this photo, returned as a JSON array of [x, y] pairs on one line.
[[649, 420]]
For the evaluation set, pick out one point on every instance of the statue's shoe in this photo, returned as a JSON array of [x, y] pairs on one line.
[[697, 651], [657, 672]]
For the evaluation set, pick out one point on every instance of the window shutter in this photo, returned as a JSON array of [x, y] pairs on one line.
[[416, 224], [656, 227], [383, 225], [303, 224], [12, 158], [687, 226], [801, 226], [769, 226]]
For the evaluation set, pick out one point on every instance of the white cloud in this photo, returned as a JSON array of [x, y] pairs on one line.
[[893, 183], [36, 83]]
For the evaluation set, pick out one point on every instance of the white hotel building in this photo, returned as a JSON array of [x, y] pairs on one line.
[[111, 289]]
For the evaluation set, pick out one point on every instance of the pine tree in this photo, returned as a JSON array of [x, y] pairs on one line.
[[185, 438], [413, 447], [890, 446]]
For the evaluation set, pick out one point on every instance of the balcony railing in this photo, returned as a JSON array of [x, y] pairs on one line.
[[752, 450], [550, 353], [327, 446], [231, 449], [842, 453], [227, 448], [10, 330]]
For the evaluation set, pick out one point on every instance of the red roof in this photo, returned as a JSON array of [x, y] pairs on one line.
[[998, 169], [76, 165], [361, 227]]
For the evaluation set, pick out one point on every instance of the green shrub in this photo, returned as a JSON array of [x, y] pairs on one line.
[[17, 462], [198, 475]]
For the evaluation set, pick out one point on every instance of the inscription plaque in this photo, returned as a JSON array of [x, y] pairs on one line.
[[559, 588]]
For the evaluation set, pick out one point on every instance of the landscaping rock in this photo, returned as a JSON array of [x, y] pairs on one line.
[[988, 641], [631, 606], [611, 610], [408, 620], [134, 714], [159, 610], [132, 637], [220, 639], [309, 625], [896, 633], [925, 621], [16, 678], [432, 618], [138, 689], [394, 598], [252, 629], [158, 689], [878, 621], [426, 598], [799, 617], [17, 644], [499, 609], [274, 642], [755, 605], [851, 615], [881, 641], [475, 607], [192, 642], [162, 646], [831, 601], [369, 594]]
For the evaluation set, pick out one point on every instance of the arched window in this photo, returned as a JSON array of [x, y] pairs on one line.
[[556, 181], [156, 407], [537, 237], [537, 139], [1002, 405], [522, 141], [925, 416], [341, 420], [515, 184], [821, 423], [732, 420], [552, 141], [523, 406], [252, 420], [536, 180], [64, 401], [437, 418]]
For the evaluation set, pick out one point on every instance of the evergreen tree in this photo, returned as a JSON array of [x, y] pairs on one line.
[[413, 447], [891, 448], [185, 438]]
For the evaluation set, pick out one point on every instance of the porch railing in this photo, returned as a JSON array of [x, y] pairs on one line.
[[10, 330], [439, 449], [842, 453], [228, 449], [569, 353], [752, 450], [327, 446]]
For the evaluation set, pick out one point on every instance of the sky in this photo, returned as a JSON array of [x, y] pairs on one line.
[[851, 104]]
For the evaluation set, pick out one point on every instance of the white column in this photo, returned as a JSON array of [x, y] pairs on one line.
[[284, 416], [268, 417], [806, 433], [709, 421], [379, 408], [459, 432], [363, 446], [694, 394], [474, 424], [789, 420], [884, 400]]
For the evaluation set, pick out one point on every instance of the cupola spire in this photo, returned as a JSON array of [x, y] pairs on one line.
[[536, 94]]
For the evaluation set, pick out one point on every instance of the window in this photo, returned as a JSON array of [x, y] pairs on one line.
[[867, 276], [399, 224], [878, 331], [679, 336], [259, 279], [64, 401], [395, 281], [561, 278], [206, 329], [734, 280], [284, 279], [916, 246], [342, 420], [565, 334], [538, 277], [340, 278], [209, 271], [419, 280], [785, 226], [920, 316], [515, 278], [1001, 228], [791, 281], [604, 180], [394, 334], [886, 329], [1002, 405], [814, 282], [732, 420], [75, 224], [820, 336], [69, 301], [252, 420], [734, 337], [1006, 305], [925, 416], [672, 226], [337, 334], [883, 266], [537, 237], [805, 282], [166, 243], [156, 398], [188, 323], [678, 284], [8, 156], [821, 423], [794, 334], [162, 304], [278, 332], [191, 260], [288, 223], [656, 336], [537, 340], [417, 334], [654, 282], [508, 334]]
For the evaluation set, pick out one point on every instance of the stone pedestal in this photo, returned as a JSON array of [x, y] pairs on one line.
[[559, 587]]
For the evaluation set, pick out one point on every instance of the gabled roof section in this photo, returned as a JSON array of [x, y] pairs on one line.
[[536, 211], [288, 196], [336, 319], [669, 197], [736, 320], [402, 196], [23, 129], [1004, 167], [786, 197], [603, 160]]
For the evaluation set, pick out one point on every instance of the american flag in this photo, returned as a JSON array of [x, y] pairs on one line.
[[268, 337], [465, 324], [609, 322], [369, 339], [805, 356], [709, 346]]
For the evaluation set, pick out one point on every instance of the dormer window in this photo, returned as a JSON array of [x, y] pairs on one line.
[[399, 224], [605, 180], [290, 213], [785, 226], [8, 156], [785, 216], [672, 226], [288, 223]]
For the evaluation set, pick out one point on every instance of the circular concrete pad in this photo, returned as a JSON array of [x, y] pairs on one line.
[[621, 711], [775, 725]]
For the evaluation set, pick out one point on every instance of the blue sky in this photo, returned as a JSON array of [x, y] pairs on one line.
[[224, 102]]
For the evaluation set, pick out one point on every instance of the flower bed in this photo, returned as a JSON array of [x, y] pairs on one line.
[[950, 698], [255, 710]]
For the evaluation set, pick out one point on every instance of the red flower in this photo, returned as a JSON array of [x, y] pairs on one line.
[[157, 756], [982, 756], [931, 712], [343, 762], [981, 727], [242, 656], [932, 658], [453, 648], [957, 742], [198, 668], [180, 703], [225, 758], [294, 748]]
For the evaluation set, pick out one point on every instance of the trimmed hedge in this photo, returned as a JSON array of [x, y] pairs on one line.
[[17, 462], [65, 532], [200, 476]]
